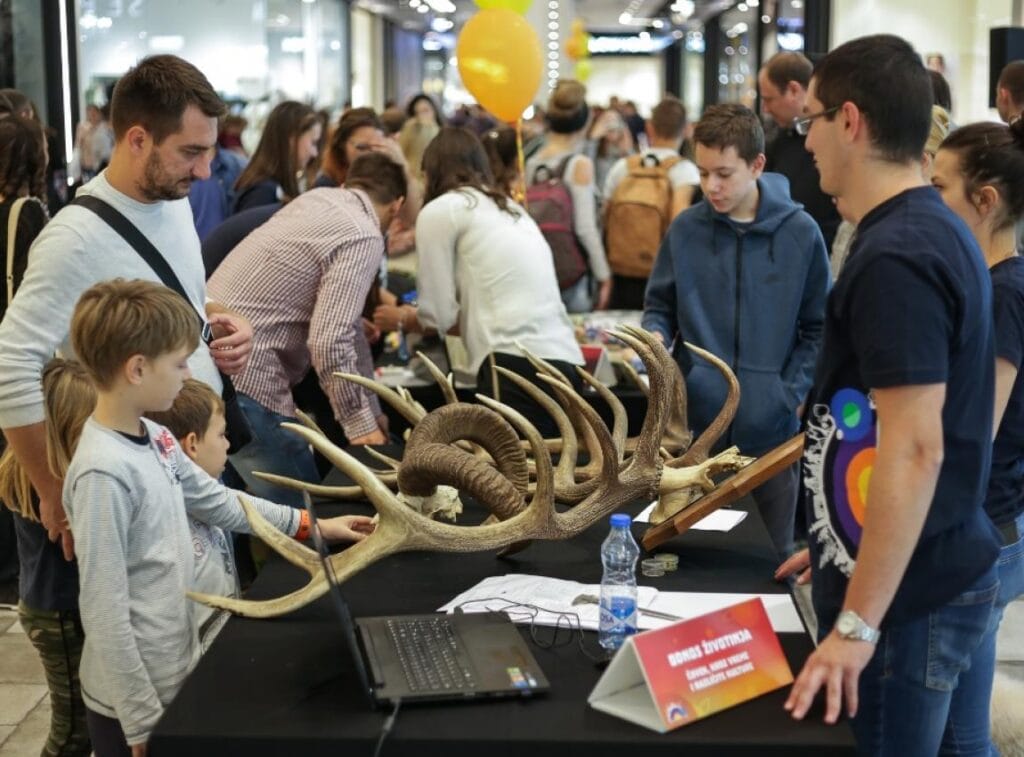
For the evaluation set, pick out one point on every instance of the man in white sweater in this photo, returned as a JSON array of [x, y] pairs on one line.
[[164, 114]]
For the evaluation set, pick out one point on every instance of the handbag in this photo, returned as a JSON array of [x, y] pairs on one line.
[[238, 431], [12, 232]]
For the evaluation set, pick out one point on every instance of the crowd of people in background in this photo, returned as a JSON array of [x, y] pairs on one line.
[[818, 263]]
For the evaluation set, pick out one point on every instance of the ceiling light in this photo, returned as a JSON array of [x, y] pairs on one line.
[[441, 6]]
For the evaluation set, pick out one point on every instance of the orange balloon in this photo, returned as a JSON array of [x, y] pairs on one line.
[[500, 61]]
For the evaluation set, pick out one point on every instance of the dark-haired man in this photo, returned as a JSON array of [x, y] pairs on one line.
[[744, 275], [1010, 91], [782, 84], [899, 429], [164, 114], [302, 278]]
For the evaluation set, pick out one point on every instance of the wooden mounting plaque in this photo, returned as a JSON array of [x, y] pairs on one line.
[[742, 482]]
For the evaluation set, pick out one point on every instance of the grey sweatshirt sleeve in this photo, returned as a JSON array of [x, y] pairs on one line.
[[102, 510], [211, 502], [584, 212], [37, 322]]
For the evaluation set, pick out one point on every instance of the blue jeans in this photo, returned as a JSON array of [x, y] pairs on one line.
[[911, 684], [578, 298], [961, 736], [273, 450]]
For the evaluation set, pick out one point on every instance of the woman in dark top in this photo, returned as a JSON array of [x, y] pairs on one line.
[[48, 584], [979, 171], [22, 175], [288, 144]]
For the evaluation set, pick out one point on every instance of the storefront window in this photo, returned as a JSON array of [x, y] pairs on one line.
[[249, 49]]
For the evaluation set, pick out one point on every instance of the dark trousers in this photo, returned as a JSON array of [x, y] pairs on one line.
[[58, 638], [776, 500], [627, 293], [107, 736], [514, 397], [8, 558]]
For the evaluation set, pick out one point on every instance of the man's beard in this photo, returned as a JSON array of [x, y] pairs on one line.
[[157, 185]]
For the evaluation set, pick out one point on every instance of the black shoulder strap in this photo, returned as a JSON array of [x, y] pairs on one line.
[[138, 241]]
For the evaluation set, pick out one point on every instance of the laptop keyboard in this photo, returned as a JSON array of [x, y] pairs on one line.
[[431, 654]]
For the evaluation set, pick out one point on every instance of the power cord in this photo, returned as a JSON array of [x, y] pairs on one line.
[[389, 723], [567, 624]]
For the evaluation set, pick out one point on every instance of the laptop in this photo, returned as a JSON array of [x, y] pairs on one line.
[[433, 657]]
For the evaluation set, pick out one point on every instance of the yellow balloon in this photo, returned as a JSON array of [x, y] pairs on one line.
[[500, 61], [517, 6], [584, 68]]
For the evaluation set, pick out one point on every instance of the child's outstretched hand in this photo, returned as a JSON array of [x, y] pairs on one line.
[[347, 528]]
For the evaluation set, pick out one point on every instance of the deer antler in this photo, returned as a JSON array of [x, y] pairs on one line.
[[401, 529]]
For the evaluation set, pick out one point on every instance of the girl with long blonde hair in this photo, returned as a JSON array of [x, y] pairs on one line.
[[48, 608]]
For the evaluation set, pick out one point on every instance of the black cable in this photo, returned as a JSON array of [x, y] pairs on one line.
[[571, 620], [389, 723]]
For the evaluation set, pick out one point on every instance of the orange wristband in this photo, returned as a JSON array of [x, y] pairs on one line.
[[304, 529]]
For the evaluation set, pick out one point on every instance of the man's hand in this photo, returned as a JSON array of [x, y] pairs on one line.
[[374, 437], [347, 528], [604, 295], [371, 331], [232, 342], [836, 664], [139, 750], [55, 521], [798, 562]]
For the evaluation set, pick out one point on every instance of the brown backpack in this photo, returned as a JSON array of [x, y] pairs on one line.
[[638, 216]]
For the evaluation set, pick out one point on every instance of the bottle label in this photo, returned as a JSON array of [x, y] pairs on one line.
[[618, 619]]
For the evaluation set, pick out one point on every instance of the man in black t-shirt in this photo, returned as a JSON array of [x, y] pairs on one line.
[[899, 422], [782, 84]]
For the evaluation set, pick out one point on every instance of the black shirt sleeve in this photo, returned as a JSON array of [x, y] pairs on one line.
[[902, 323]]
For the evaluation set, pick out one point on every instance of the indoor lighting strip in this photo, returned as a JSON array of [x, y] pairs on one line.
[[554, 43], [65, 79]]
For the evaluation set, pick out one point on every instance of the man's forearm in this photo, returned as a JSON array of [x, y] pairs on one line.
[[29, 446], [899, 495]]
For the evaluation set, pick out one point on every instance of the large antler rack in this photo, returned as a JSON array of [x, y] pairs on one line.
[[402, 529]]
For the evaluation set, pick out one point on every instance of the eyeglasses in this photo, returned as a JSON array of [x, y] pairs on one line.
[[802, 124]]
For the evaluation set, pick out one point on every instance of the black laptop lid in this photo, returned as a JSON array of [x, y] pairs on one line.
[[348, 626]]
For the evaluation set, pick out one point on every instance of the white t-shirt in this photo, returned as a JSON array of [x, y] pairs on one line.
[[492, 273], [76, 250], [684, 173]]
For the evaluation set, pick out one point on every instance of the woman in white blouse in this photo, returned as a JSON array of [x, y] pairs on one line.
[[486, 272]]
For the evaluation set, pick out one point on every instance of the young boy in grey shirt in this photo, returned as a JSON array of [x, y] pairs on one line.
[[128, 493]]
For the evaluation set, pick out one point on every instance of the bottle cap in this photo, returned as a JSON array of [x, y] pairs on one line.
[[621, 520]]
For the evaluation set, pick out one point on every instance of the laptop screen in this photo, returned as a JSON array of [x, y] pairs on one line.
[[338, 600]]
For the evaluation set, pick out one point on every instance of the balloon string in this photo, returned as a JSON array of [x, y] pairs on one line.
[[521, 183]]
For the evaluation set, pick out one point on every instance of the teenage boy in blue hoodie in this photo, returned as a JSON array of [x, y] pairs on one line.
[[744, 274]]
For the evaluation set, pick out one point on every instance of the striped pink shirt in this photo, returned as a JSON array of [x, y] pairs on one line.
[[302, 279]]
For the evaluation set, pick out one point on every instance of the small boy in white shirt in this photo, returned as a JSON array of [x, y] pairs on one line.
[[197, 421], [128, 493]]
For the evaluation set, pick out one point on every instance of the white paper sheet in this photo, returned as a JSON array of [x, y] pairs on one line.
[[554, 596], [719, 520], [689, 604]]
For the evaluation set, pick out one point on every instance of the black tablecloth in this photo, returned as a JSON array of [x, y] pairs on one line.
[[287, 685]]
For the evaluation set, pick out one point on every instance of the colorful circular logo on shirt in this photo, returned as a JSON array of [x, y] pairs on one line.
[[853, 415], [852, 460]]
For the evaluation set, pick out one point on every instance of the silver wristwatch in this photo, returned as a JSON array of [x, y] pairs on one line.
[[851, 626]]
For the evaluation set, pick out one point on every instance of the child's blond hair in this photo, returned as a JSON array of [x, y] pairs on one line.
[[117, 319], [191, 412], [68, 399]]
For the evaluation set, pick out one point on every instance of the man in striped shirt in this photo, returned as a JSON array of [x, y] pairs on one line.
[[302, 279]]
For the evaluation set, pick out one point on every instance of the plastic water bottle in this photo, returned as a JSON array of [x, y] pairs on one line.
[[619, 554]]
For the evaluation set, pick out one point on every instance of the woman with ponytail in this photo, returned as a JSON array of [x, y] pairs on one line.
[[979, 171]]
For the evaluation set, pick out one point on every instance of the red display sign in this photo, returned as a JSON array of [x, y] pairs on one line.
[[671, 676]]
